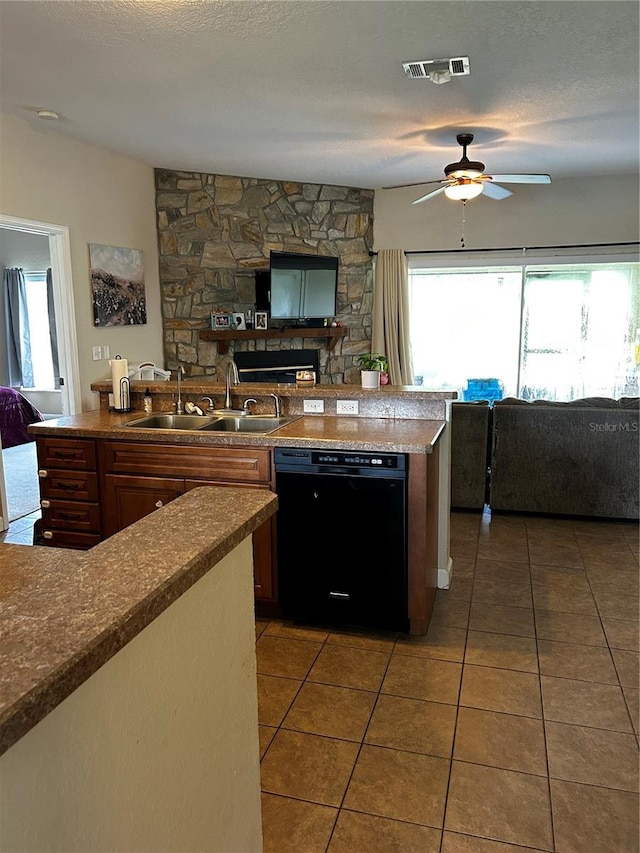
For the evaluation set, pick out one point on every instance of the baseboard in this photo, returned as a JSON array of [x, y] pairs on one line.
[[444, 575]]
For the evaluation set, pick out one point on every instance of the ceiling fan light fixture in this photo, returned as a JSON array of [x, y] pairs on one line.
[[471, 174], [463, 191]]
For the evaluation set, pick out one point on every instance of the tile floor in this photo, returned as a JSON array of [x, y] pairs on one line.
[[511, 727], [20, 531]]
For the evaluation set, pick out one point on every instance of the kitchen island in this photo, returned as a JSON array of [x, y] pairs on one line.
[[135, 470], [128, 707]]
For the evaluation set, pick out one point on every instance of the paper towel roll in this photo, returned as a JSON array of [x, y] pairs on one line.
[[119, 368]]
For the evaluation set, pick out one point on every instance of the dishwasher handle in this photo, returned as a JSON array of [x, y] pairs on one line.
[[338, 469]]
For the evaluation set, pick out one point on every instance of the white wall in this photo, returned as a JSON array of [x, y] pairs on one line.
[[569, 211], [102, 198], [158, 750], [29, 251]]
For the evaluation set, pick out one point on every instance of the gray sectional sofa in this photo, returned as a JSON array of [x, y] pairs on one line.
[[578, 458], [469, 454]]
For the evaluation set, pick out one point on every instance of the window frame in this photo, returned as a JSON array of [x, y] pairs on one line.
[[527, 262]]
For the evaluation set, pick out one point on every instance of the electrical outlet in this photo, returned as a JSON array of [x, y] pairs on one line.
[[96, 353], [106, 352], [313, 406], [347, 407]]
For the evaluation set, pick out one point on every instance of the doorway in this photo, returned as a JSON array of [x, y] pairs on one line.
[[19, 464]]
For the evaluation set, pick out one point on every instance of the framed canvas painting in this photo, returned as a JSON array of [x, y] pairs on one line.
[[117, 286]]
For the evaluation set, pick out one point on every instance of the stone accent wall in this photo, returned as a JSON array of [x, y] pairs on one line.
[[214, 231]]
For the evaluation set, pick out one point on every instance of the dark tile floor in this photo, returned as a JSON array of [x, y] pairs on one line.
[[20, 531], [511, 727]]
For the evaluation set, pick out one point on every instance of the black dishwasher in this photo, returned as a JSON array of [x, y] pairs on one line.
[[342, 537]]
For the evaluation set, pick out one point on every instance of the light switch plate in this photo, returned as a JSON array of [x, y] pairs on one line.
[[96, 353], [106, 352], [310, 406]]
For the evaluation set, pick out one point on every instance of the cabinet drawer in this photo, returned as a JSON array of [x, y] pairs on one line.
[[67, 539], [71, 515], [228, 464], [76, 454], [68, 485]]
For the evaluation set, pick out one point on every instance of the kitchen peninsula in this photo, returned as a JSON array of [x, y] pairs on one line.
[[128, 706], [136, 470]]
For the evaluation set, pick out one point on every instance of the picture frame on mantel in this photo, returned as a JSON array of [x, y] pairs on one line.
[[262, 320]]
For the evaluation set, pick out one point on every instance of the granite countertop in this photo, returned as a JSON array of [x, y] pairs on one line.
[[201, 385], [64, 613], [349, 433]]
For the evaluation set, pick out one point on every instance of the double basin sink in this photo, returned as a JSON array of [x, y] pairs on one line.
[[247, 424]]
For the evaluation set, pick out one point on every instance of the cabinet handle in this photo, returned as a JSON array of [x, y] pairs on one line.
[[69, 487], [64, 454], [159, 504], [71, 516], [48, 534], [42, 473], [45, 504]]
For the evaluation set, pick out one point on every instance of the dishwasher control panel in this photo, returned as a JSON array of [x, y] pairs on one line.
[[384, 460], [309, 459]]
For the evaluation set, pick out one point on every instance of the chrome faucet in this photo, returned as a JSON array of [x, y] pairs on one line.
[[179, 409], [209, 402], [245, 406], [231, 378], [277, 403]]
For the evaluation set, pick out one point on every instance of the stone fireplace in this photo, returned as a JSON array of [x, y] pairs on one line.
[[216, 231]]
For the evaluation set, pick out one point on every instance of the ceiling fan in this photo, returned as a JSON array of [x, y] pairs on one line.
[[466, 179]]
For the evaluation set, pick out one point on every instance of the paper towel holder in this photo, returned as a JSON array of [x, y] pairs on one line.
[[125, 395]]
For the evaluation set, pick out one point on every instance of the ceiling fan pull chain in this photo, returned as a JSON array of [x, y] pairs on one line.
[[464, 208]]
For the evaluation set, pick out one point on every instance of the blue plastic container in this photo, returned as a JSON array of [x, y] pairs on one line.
[[483, 389]]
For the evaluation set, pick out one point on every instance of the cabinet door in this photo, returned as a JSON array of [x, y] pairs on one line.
[[127, 498], [263, 546]]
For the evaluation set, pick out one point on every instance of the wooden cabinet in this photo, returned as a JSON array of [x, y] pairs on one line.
[[127, 499], [68, 492], [139, 478]]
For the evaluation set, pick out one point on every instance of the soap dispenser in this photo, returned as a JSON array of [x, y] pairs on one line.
[[147, 402]]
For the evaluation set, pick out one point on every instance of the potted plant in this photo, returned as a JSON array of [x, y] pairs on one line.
[[373, 368]]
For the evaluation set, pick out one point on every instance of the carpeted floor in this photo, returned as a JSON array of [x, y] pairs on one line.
[[21, 477]]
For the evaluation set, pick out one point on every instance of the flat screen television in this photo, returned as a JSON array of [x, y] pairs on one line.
[[303, 287]]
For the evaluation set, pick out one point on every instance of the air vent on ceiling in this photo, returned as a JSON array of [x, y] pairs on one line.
[[437, 70]]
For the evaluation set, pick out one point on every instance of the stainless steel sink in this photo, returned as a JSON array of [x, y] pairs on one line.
[[248, 424], [169, 421], [251, 424]]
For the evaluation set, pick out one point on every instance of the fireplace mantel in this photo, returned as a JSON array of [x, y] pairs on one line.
[[223, 336]]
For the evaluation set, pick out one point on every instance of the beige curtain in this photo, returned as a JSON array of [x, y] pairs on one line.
[[391, 315]]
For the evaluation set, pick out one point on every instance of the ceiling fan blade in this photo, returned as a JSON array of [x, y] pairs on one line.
[[417, 184], [522, 179], [429, 195], [495, 191]]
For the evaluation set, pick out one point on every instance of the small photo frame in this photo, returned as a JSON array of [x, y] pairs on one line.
[[261, 319], [238, 320], [222, 321]]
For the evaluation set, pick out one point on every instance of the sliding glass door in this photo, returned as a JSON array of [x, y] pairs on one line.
[[554, 332]]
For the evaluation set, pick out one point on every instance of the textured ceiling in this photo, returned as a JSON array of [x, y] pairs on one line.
[[313, 90]]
